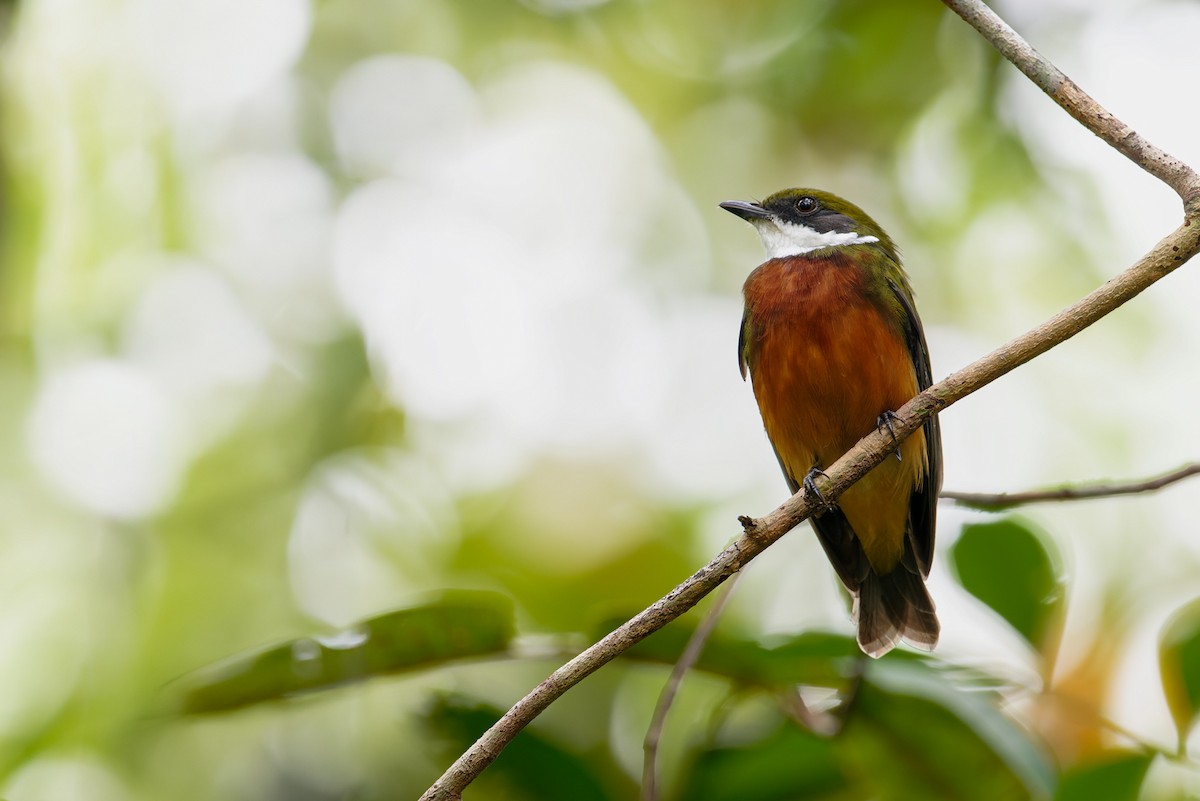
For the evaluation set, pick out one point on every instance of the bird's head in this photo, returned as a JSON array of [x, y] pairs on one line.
[[796, 221]]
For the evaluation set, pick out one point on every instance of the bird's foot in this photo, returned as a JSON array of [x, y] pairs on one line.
[[810, 486], [885, 421]]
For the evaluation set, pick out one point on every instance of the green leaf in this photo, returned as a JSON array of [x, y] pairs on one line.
[[1179, 666], [912, 735], [813, 658], [791, 763], [535, 766], [460, 625], [1013, 569], [1116, 777]]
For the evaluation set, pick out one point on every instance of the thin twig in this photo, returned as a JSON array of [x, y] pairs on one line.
[[1006, 500], [1179, 246], [691, 653]]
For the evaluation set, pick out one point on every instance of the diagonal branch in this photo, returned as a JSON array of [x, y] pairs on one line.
[[1179, 246], [1004, 500]]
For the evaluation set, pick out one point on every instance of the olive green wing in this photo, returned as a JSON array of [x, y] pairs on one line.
[[922, 510]]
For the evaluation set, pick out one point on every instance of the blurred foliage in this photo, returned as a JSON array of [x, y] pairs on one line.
[[1012, 569], [407, 639], [537, 767], [209, 444], [790, 762], [1179, 663], [920, 737], [1119, 777], [812, 658]]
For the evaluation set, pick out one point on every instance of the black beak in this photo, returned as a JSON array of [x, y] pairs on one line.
[[747, 211]]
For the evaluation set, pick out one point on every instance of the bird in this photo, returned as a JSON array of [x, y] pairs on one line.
[[832, 343]]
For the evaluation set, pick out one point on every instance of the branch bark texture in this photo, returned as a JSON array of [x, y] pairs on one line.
[[1178, 246]]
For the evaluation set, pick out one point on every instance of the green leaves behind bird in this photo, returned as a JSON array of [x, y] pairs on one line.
[[1116, 777], [534, 767], [1015, 570], [457, 626], [814, 657], [914, 732], [1179, 666], [789, 763], [914, 735]]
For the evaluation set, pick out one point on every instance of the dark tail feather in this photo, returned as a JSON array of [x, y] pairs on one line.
[[893, 607]]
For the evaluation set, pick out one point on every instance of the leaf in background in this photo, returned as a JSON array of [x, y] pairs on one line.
[[460, 625], [534, 766], [1118, 777], [1179, 666], [791, 763], [1014, 570], [813, 658], [914, 735]]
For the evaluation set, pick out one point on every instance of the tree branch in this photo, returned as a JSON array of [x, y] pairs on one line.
[[991, 502], [1179, 246]]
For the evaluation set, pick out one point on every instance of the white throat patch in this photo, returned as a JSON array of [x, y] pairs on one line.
[[790, 239]]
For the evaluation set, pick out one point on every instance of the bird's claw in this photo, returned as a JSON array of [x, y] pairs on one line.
[[810, 486], [884, 421]]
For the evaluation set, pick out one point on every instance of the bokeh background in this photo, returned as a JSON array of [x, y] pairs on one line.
[[312, 310]]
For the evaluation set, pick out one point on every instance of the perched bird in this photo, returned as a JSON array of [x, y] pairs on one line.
[[833, 346]]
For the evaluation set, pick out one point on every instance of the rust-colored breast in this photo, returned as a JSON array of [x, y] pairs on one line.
[[825, 362]]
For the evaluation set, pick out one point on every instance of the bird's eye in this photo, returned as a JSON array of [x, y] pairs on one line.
[[806, 205]]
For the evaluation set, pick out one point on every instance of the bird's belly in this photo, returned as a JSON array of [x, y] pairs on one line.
[[821, 385]]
